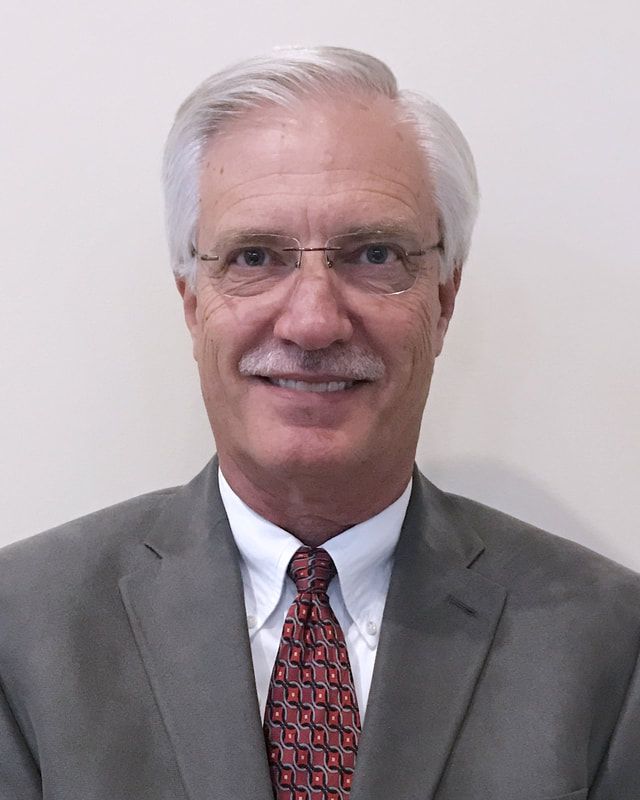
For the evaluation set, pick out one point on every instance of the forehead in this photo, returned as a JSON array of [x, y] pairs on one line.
[[308, 169]]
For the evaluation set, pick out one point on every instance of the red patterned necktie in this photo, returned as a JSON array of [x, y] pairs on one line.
[[312, 722]]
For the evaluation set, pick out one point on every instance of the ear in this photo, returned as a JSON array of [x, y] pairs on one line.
[[190, 307], [447, 293]]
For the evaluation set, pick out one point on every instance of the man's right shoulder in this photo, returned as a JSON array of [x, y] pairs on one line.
[[108, 537]]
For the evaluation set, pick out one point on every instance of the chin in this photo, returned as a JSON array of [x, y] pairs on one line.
[[315, 452]]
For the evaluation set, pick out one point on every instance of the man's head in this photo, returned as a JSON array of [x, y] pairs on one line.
[[318, 220], [283, 79]]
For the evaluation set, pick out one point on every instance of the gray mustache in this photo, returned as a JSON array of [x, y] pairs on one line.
[[350, 362]]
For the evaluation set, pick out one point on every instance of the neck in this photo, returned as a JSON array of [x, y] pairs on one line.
[[317, 505]]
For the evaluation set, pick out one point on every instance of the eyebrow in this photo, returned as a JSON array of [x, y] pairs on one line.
[[383, 227], [237, 234], [389, 229]]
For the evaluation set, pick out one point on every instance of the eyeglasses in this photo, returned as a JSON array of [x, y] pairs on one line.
[[372, 261]]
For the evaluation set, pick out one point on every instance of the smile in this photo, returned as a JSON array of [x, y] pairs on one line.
[[307, 386]]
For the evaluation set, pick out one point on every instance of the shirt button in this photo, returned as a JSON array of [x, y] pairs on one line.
[[372, 628], [251, 621]]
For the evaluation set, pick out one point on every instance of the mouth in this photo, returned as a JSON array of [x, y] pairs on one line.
[[320, 387], [338, 371]]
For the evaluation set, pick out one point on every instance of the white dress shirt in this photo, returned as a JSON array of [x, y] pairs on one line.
[[363, 557]]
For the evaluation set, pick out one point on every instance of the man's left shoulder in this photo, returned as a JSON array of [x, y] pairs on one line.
[[527, 559]]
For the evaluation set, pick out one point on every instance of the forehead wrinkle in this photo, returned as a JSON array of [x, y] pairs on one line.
[[324, 195], [342, 174], [377, 188], [279, 217]]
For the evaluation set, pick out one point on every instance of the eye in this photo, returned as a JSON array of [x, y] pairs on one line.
[[251, 257], [377, 254]]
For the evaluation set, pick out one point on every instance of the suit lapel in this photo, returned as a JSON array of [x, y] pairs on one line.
[[187, 614], [438, 626]]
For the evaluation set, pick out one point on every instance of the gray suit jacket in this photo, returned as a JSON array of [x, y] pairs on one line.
[[506, 667]]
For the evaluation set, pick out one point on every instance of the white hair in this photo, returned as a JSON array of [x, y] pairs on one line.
[[287, 75]]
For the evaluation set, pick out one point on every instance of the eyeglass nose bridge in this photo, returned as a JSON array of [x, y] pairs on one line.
[[300, 250]]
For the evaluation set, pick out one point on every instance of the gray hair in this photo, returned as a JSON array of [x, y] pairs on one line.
[[282, 78]]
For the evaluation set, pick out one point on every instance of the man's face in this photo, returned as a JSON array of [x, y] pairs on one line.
[[322, 169]]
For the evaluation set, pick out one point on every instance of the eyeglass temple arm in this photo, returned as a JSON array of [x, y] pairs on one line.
[[203, 256], [437, 246]]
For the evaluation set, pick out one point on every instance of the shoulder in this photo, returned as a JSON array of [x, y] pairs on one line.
[[535, 564], [566, 606], [71, 554]]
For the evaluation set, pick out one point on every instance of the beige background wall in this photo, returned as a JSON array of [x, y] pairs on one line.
[[535, 406]]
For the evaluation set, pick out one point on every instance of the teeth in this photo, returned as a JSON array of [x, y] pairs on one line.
[[305, 386]]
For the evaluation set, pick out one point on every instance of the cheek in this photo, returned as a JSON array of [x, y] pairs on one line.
[[208, 337], [415, 334], [226, 329], [217, 340]]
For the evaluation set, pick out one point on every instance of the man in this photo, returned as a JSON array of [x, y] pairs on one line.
[[310, 617]]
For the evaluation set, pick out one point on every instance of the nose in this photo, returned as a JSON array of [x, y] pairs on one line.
[[314, 314]]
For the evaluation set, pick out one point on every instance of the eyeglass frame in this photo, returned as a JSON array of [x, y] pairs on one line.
[[326, 249]]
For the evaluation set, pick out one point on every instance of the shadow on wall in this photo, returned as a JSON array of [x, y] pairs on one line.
[[502, 487]]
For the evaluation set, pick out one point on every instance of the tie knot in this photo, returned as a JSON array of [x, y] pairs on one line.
[[311, 570]]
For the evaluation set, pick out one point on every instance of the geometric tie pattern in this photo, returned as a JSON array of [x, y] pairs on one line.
[[312, 722]]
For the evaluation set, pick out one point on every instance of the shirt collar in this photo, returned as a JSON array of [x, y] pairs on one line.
[[265, 551], [363, 556]]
